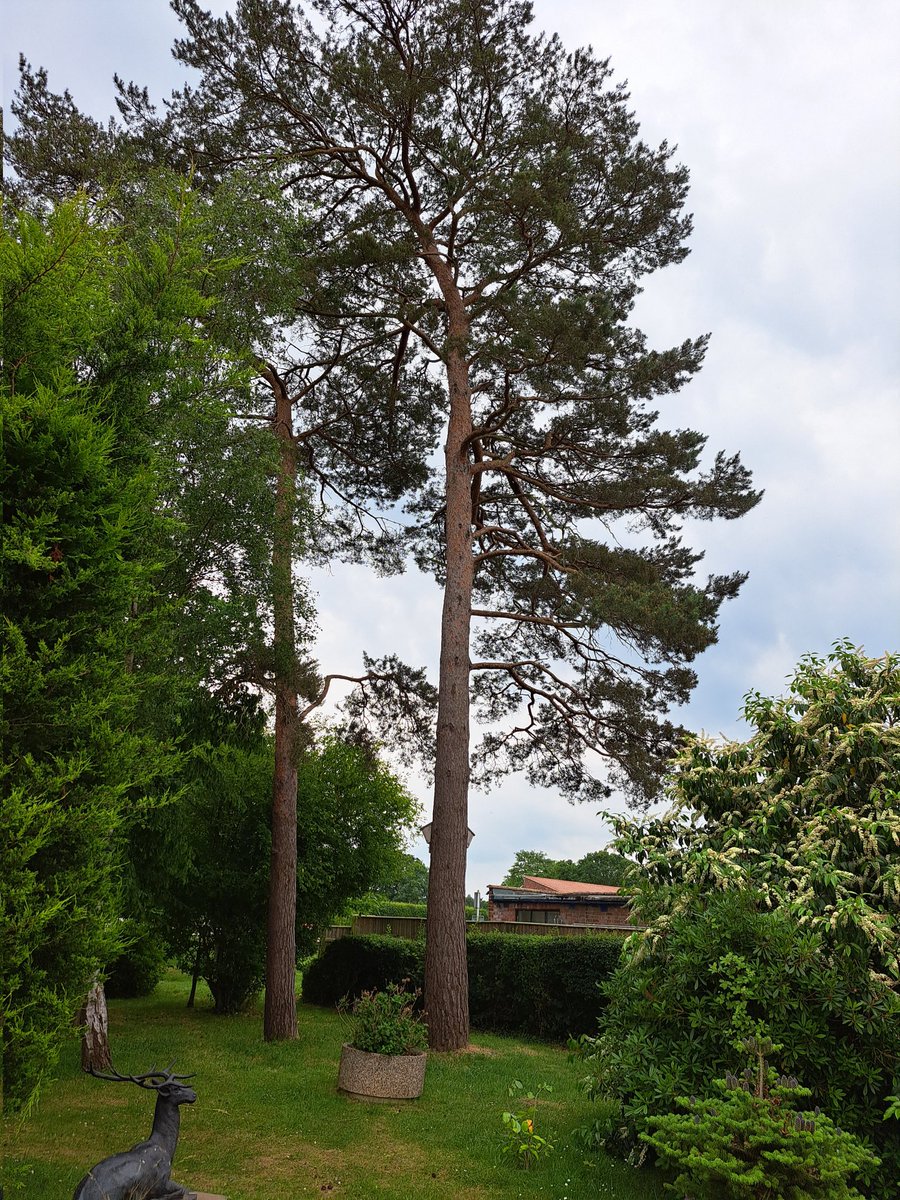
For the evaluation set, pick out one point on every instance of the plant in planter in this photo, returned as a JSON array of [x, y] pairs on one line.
[[385, 1058]]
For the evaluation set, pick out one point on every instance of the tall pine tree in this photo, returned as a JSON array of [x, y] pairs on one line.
[[485, 211], [484, 195]]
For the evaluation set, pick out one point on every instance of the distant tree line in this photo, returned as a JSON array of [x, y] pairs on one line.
[[598, 866]]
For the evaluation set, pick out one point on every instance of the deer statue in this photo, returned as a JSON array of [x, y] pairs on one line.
[[142, 1173]]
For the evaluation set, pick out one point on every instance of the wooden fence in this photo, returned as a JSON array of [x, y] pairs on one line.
[[414, 927], [532, 927]]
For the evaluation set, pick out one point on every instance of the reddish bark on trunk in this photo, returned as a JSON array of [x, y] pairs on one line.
[[446, 971], [280, 1015]]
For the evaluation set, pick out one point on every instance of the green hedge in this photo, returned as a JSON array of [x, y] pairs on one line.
[[543, 987], [352, 965]]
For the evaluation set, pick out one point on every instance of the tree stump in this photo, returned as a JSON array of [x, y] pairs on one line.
[[94, 1019]]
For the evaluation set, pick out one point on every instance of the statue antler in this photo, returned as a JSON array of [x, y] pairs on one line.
[[152, 1079]]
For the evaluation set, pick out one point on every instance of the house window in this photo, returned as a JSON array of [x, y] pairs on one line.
[[542, 916]]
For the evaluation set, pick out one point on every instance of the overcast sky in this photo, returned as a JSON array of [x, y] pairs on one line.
[[787, 113]]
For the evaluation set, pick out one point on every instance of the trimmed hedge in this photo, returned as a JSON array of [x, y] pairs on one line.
[[542, 987], [356, 964], [378, 906]]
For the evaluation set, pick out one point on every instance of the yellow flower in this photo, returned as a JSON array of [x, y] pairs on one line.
[[529, 1125]]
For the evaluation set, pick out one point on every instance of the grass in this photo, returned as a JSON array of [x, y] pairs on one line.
[[269, 1123]]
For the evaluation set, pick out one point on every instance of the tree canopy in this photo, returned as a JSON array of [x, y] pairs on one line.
[[484, 204], [409, 883], [484, 212], [202, 863], [598, 866]]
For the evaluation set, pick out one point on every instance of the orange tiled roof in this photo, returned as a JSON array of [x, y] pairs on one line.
[[566, 887]]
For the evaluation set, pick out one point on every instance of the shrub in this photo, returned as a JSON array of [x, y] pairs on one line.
[[770, 896], [753, 1143], [353, 965], [235, 966], [544, 987], [386, 1022], [678, 1004], [139, 968]]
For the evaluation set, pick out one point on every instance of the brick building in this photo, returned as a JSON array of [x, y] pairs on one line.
[[558, 902]]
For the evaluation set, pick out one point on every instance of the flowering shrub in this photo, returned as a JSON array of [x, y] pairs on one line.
[[771, 894]]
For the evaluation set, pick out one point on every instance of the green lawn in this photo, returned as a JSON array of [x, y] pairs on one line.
[[269, 1124]]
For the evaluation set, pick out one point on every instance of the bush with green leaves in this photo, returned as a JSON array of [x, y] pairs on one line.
[[757, 1140], [208, 875], [389, 1021], [362, 963], [140, 966], [770, 893], [544, 987]]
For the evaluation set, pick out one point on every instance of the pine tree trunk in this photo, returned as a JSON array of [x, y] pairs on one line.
[[94, 1019], [280, 1017], [446, 971]]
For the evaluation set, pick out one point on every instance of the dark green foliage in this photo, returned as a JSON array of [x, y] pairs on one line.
[[388, 1022], [79, 562], [758, 1140], [222, 907], [771, 896], [205, 867], [140, 966], [410, 883], [353, 815], [353, 965], [729, 971], [544, 987]]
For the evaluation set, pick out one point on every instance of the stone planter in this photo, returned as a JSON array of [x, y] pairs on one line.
[[368, 1076]]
